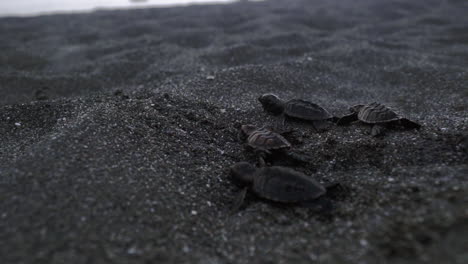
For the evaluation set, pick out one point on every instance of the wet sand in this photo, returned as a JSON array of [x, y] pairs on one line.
[[118, 128]]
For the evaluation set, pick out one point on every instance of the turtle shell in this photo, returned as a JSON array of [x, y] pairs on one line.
[[263, 138], [306, 110], [285, 185], [377, 113]]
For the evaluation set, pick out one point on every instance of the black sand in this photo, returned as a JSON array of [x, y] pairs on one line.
[[115, 145]]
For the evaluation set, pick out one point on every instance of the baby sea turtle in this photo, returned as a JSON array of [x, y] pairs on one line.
[[276, 183], [297, 109], [378, 115], [266, 142]]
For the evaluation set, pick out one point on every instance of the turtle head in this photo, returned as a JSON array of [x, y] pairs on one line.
[[243, 173], [272, 103], [356, 108], [246, 130]]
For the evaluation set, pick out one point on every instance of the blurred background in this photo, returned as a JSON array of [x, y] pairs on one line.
[[36, 7]]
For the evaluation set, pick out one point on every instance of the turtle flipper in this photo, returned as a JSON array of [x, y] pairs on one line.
[[320, 205], [238, 201], [335, 190], [332, 187], [377, 130], [409, 124], [262, 154], [299, 157], [283, 121], [280, 124], [347, 119], [321, 125], [287, 132], [261, 161], [334, 119]]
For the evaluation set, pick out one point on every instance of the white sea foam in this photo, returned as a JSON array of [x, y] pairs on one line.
[[36, 7]]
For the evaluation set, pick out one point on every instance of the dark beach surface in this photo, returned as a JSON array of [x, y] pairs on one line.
[[117, 129]]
